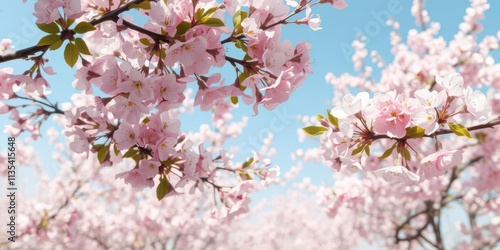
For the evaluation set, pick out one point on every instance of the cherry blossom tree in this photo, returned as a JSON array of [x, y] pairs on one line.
[[134, 79], [407, 150], [83, 206], [422, 138]]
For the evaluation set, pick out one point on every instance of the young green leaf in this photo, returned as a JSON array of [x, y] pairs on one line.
[[314, 130], [406, 154], [212, 22], [333, 120], [210, 12], [71, 54], [238, 17], [459, 129], [83, 27], [415, 132], [49, 40], [320, 117], [102, 153], [245, 176], [248, 163], [56, 45], [234, 100], [240, 45], [82, 46], [162, 189], [145, 5], [388, 152], [367, 150], [130, 153], [69, 21], [51, 28], [146, 120], [115, 148], [358, 149], [241, 77], [182, 28], [145, 41], [199, 13]]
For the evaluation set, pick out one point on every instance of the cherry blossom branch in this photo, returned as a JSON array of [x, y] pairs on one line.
[[489, 124], [431, 212], [56, 109], [295, 12], [218, 187], [155, 36], [109, 16]]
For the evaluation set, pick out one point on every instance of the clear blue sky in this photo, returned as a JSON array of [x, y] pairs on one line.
[[328, 55]]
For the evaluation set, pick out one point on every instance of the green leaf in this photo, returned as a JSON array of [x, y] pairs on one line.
[[71, 54], [210, 11], [238, 17], [320, 117], [241, 45], [459, 129], [199, 13], [234, 100], [115, 148], [83, 27], [130, 153], [415, 132], [333, 120], [102, 153], [314, 130], [136, 158], [248, 163], [367, 150], [406, 154], [69, 22], [358, 149], [51, 28], [145, 41], [146, 120], [82, 46], [241, 77], [56, 45], [182, 28], [49, 40], [212, 22], [162, 189], [145, 5], [245, 176], [388, 152]]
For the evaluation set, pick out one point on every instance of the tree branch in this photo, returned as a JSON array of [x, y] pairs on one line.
[[109, 16], [490, 124]]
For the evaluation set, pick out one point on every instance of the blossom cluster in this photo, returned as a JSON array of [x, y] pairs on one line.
[[402, 121], [135, 80]]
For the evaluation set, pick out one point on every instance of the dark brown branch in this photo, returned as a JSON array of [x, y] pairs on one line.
[[56, 109], [490, 124], [109, 16]]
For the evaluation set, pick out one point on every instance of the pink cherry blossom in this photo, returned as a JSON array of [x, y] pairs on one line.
[[438, 163], [126, 135], [135, 179], [149, 168], [397, 174], [80, 142], [393, 118], [128, 109], [477, 104], [452, 83]]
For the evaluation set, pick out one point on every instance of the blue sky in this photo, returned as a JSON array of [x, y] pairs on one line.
[[329, 54]]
